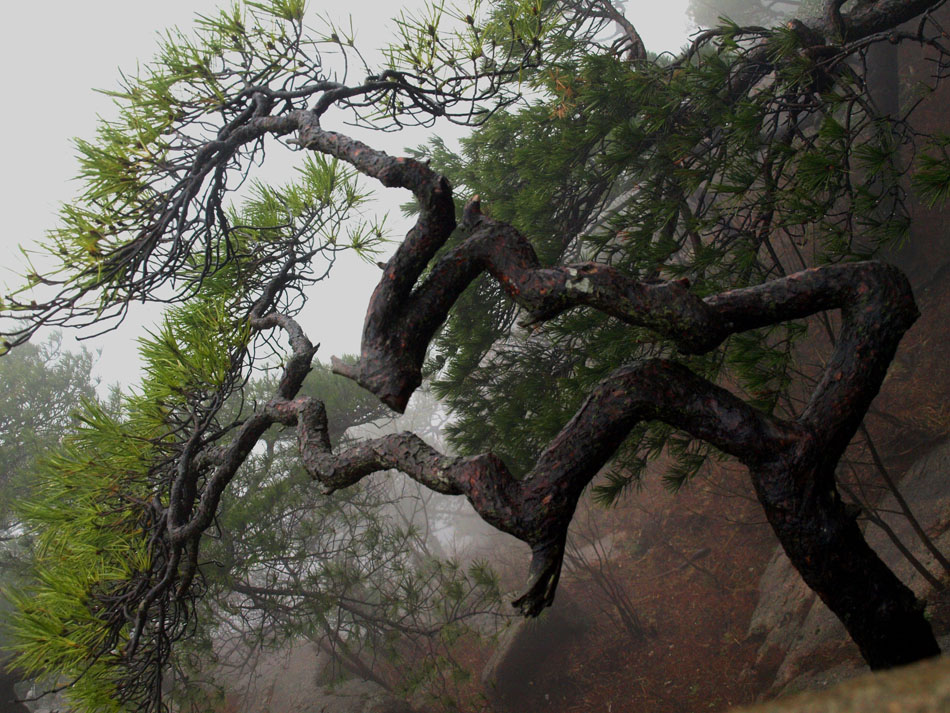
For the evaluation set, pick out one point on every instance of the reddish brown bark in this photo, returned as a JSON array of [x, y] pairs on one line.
[[791, 462]]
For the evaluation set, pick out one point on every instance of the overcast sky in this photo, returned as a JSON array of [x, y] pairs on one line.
[[55, 53]]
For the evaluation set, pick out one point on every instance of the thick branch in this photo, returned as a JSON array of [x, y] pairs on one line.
[[873, 17], [605, 8], [792, 463], [539, 508]]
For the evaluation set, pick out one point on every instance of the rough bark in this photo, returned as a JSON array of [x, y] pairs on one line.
[[791, 462]]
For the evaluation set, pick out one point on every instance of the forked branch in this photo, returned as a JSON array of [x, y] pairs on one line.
[[792, 462]]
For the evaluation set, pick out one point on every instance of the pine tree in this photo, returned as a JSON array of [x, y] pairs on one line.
[[751, 143]]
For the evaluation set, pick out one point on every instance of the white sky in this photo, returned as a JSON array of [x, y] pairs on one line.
[[54, 54]]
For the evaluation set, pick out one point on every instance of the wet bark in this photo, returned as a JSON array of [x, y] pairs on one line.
[[791, 462]]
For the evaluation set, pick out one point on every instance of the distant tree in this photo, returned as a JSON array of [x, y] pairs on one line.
[[41, 386], [764, 13], [769, 122], [360, 573]]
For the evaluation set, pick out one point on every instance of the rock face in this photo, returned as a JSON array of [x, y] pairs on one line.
[[797, 630], [356, 697], [525, 648], [8, 697], [920, 688], [294, 680]]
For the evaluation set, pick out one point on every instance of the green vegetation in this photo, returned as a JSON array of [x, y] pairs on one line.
[[286, 561], [619, 166], [180, 515]]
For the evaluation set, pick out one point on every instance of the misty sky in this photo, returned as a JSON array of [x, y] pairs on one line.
[[55, 53]]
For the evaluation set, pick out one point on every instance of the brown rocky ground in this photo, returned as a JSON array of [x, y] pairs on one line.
[[690, 563]]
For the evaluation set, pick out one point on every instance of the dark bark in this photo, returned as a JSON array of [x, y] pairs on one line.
[[792, 463]]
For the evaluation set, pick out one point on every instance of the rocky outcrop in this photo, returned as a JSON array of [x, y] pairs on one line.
[[8, 696], [526, 648], [798, 632], [356, 696], [920, 688]]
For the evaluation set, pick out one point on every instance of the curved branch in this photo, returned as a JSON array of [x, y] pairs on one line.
[[539, 508], [605, 8], [882, 15], [792, 463]]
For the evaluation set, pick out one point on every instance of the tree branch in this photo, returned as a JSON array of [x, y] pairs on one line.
[[792, 463]]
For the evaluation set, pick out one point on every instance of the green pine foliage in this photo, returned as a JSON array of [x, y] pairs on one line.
[[745, 158], [341, 563], [92, 517], [932, 179], [94, 501], [97, 509], [114, 244], [88, 517], [616, 163]]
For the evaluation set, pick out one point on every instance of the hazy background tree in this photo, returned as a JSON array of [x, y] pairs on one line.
[[729, 168], [362, 574], [766, 13], [41, 386]]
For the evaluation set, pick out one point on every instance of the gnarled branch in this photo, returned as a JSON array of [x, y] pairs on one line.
[[792, 462]]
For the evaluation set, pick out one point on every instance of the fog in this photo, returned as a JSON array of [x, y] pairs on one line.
[[59, 53]]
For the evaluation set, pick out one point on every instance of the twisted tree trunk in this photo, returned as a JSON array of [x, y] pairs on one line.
[[791, 462]]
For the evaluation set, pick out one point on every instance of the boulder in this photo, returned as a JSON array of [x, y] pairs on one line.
[[798, 632], [526, 647], [8, 696], [920, 688]]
